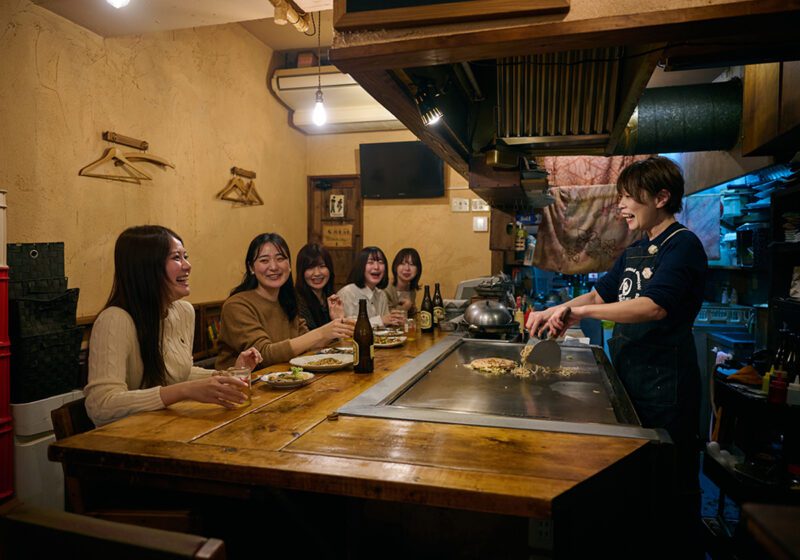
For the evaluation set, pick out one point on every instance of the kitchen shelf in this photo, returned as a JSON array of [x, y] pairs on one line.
[[785, 246]]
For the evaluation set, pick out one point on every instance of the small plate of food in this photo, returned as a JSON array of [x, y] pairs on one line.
[[389, 341], [286, 379], [337, 350], [323, 362]]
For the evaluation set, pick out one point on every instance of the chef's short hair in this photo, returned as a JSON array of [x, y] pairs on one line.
[[651, 176]]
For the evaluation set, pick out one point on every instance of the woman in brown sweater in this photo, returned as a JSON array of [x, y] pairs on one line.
[[262, 311]]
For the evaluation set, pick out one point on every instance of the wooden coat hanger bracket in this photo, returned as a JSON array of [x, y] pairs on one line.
[[243, 172], [110, 136], [238, 191], [124, 160]]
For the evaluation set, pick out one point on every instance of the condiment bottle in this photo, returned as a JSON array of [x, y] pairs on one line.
[[363, 341], [777, 388]]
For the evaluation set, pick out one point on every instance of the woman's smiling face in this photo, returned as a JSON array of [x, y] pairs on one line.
[[407, 270], [177, 270], [374, 271], [317, 276], [271, 267]]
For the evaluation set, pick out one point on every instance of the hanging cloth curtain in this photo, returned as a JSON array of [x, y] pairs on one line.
[[581, 231]]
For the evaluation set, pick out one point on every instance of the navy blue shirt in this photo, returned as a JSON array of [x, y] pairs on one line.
[[678, 280]]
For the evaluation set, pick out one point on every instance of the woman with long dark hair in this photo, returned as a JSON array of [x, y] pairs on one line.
[[316, 301], [366, 281], [262, 310], [140, 351], [406, 272]]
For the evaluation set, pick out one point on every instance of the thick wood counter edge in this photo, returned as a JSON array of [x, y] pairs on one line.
[[469, 490]]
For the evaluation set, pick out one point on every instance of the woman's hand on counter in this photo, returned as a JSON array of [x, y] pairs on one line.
[[216, 389], [250, 358]]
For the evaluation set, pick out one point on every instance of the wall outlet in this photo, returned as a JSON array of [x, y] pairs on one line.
[[459, 204], [479, 205], [480, 223], [540, 534]]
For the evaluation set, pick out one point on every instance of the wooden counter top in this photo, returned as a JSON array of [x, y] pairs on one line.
[[285, 439]]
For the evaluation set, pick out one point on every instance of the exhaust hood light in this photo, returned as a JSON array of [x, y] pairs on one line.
[[430, 113], [118, 3]]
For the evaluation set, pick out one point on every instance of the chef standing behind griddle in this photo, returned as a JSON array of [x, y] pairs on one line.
[[653, 293]]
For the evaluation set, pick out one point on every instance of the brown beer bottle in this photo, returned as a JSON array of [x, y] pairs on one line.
[[438, 307], [426, 312], [363, 341]]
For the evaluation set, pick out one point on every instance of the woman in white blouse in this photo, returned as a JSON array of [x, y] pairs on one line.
[[366, 281], [140, 351]]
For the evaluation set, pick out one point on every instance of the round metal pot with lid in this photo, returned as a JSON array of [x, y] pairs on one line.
[[487, 313]]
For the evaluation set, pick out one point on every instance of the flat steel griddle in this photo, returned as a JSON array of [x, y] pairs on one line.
[[438, 387]]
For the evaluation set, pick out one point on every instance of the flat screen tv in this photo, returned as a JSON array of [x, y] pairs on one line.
[[400, 170]]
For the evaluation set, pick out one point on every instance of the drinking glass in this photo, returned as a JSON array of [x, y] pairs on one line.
[[411, 329], [242, 373], [400, 314]]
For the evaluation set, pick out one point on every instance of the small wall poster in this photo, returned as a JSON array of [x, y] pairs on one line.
[[337, 235], [336, 206]]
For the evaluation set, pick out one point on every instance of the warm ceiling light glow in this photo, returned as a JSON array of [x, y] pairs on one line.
[[319, 116], [119, 3]]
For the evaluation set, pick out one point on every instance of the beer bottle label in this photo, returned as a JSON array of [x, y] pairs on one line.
[[438, 314], [425, 319], [372, 351], [355, 353]]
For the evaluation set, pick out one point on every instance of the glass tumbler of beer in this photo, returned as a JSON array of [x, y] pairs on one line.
[[411, 329], [242, 373]]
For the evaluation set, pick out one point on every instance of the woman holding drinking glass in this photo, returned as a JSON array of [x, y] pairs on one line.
[[316, 301], [366, 281], [262, 310], [140, 351], [406, 272]]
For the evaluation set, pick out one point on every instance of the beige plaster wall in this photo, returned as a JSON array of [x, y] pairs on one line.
[[449, 249], [198, 96]]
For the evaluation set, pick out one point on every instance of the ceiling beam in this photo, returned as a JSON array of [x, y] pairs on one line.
[[775, 19]]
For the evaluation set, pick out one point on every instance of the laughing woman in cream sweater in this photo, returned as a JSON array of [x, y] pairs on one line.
[[140, 352]]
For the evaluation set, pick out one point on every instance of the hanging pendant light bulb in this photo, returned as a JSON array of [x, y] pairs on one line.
[[118, 3], [319, 116]]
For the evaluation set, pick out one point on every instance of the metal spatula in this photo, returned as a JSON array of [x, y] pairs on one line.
[[543, 351]]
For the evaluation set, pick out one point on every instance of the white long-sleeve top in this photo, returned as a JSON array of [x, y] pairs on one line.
[[115, 363], [377, 304]]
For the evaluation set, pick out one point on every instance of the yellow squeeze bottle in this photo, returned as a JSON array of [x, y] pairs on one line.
[[766, 380]]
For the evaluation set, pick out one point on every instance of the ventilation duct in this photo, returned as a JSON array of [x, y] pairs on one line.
[[685, 119]]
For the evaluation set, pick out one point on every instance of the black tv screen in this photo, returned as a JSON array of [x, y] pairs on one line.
[[400, 170]]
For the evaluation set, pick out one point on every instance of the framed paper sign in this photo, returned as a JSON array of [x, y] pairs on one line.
[[337, 235], [336, 206]]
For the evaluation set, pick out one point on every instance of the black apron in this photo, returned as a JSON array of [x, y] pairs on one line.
[[656, 360]]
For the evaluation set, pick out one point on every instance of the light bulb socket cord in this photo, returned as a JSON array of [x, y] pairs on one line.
[[319, 96]]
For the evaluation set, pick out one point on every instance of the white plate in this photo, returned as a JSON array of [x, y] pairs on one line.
[[274, 379], [393, 341], [387, 332], [306, 362]]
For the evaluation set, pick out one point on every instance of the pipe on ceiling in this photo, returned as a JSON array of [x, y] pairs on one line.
[[693, 118]]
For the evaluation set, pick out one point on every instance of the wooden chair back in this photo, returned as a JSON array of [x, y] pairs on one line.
[[31, 532], [70, 419]]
